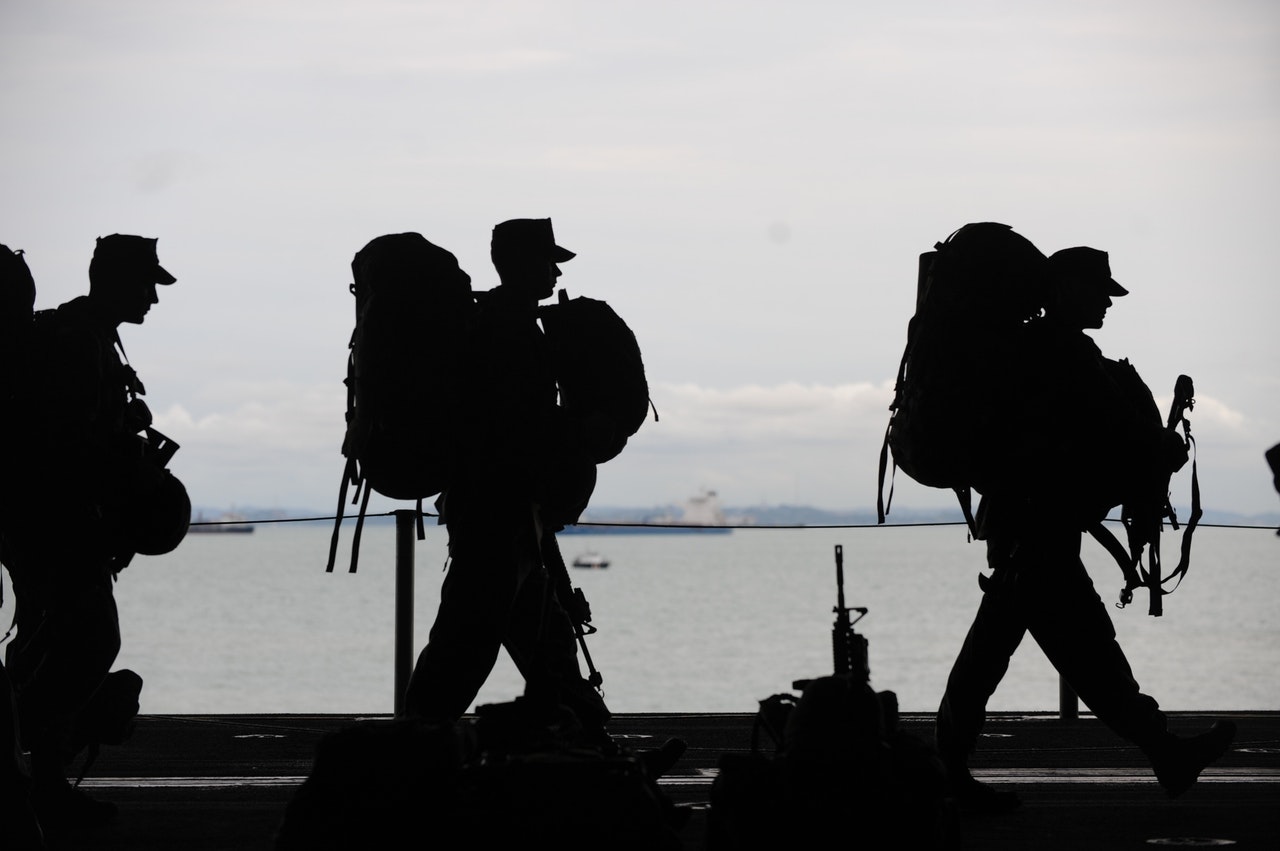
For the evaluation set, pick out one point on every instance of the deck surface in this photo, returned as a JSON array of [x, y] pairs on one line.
[[222, 782]]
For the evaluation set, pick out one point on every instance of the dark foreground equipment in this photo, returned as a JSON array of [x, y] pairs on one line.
[[839, 761], [502, 779]]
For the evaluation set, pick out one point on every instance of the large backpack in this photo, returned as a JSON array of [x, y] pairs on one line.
[[17, 301], [17, 305], [17, 289], [413, 304], [598, 367], [949, 425]]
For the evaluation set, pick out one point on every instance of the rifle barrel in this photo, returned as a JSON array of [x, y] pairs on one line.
[[840, 578]]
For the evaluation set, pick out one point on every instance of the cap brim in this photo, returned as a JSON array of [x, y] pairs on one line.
[[1114, 288], [560, 255], [163, 277]]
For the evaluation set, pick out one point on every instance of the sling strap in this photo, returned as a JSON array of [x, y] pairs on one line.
[[1130, 559]]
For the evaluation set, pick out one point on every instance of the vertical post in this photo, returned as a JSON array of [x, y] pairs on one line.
[[406, 520], [1068, 703]]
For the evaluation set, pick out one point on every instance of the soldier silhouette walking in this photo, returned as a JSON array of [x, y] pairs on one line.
[[523, 471], [78, 451], [1110, 446]]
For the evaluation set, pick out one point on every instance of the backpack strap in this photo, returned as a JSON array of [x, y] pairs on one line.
[[364, 507], [1130, 560], [133, 384], [965, 497], [882, 503], [1127, 560], [1183, 401], [349, 474], [1184, 559]]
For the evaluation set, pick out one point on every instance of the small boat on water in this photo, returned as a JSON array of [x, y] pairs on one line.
[[234, 523], [591, 559]]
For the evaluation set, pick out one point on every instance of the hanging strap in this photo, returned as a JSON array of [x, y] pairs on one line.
[[351, 476], [348, 476], [1124, 558], [965, 496], [355, 537], [1183, 401], [1184, 560], [882, 503], [1151, 575], [1131, 562], [351, 470]]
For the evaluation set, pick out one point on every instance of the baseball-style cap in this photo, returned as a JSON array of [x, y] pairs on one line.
[[1088, 264], [529, 238], [126, 254]]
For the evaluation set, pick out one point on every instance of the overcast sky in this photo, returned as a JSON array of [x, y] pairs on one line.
[[748, 183]]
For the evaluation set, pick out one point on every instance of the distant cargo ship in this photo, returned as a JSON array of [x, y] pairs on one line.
[[701, 515]]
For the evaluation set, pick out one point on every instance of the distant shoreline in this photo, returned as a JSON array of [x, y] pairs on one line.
[[745, 517]]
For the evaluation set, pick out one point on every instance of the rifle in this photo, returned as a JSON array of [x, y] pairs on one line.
[[572, 600], [1144, 526], [848, 648]]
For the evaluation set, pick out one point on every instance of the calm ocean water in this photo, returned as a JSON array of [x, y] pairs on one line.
[[686, 623]]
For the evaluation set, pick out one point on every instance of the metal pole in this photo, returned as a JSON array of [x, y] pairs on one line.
[[1068, 703], [406, 520]]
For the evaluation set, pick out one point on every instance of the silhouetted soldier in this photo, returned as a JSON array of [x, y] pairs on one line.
[[522, 471], [69, 538], [1099, 441]]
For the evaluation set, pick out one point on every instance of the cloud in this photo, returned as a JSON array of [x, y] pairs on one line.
[[276, 444], [265, 142], [807, 413], [271, 443], [1213, 412]]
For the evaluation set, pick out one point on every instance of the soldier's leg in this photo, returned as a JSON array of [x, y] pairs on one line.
[[983, 660], [1078, 636], [476, 600], [62, 664]]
